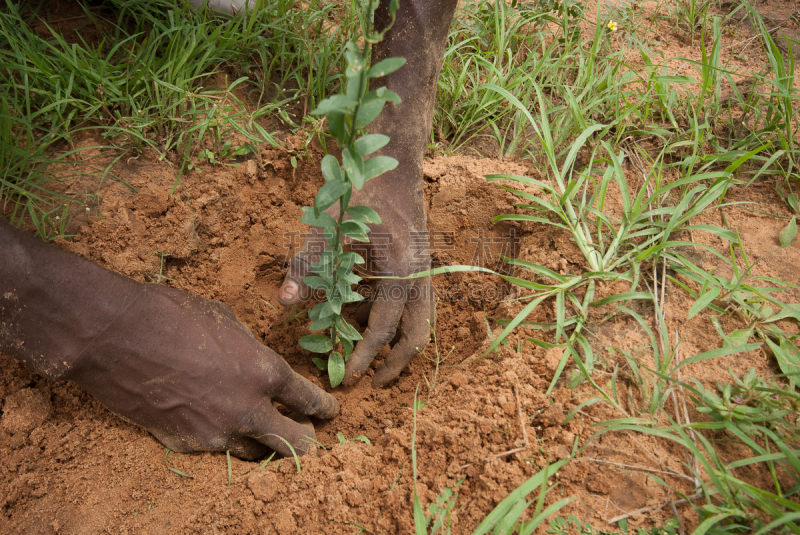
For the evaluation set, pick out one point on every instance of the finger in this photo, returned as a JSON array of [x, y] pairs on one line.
[[383, 319], [246, 448], [278, 432], [293, 289], [415, 333], [303, 396]]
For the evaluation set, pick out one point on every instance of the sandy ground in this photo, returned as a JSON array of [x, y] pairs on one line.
[[67, 465]]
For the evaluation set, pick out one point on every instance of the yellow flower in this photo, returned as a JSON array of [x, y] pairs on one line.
[[612, 26]]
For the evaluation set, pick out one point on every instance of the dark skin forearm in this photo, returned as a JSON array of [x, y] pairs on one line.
[[52, 303], [180, 366]]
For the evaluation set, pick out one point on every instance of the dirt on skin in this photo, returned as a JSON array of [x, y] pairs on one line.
[[67, 465]]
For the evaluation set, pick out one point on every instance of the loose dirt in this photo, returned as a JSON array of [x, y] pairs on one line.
[[67, 465], [70, 466]]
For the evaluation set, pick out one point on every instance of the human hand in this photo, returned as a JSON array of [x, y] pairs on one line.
[[401, 310], [181, 366], [188, 371]]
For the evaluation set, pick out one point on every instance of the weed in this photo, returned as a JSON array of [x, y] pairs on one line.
[[266, 461], [437, 359], [440, 511], [148, 83], [754, 414], [294, 315], [690, 16], [172, 468], [501, 44], [230, 467], [291, 448], [158, 277], [360, 438]]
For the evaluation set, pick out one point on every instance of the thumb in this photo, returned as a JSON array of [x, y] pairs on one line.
[[293, 289]]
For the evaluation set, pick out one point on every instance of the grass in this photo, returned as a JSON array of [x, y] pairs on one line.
[[153, 76], [707, 144], [600, 113]]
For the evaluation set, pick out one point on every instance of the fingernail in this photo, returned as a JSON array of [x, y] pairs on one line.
[[288, 291]]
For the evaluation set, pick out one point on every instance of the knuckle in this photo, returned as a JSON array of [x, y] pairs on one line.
[[383, 335]]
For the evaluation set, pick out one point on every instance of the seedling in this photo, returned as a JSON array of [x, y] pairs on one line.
[[343, 440], [158, 277], [294, 315], [173, 469], [348, 114], [228, 151]]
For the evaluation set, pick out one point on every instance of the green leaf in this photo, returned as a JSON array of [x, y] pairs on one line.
[[321, 364], [377, 166], [387, 66], [335, 369], [348, 260], [384, 94], [335, 103], [538, 480], [353, 166], [372, 105], [337, 127], [355, 64], [354, 89], [348, 347], [704, 301], [320, 324], [329, 194], [334, 304], [355, 230], [786, 235], [739, 337], [330, 168], [317, 312], [326, 310], [788, 311], [324, 220], [716, 353], [370, 143], [317, 283], [364, 214], [788, 358], [330, 236], [324, 264], [316, 343], [674, 79], [346, 294], [369, 111], [347, 276], [346, 330]]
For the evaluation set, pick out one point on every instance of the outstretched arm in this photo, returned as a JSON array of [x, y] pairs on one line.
[[181, 366]]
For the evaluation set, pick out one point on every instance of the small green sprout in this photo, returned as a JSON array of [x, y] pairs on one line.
[[348, 114]]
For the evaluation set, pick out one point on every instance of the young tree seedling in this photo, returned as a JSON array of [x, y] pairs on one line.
[[348, 115]]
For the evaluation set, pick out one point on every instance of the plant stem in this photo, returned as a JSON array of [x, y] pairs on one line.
[[344, 201]]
